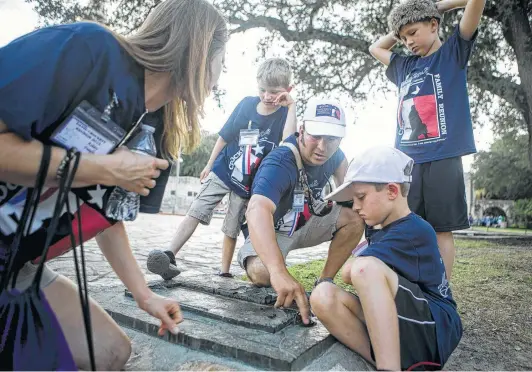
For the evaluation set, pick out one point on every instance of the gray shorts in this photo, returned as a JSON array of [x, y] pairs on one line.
[[211, 194], [27, 273], [317, 230]]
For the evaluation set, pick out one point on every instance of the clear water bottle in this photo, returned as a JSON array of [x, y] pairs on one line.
[[124, 205]]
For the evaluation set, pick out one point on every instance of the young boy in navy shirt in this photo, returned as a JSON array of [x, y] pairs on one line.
[[434, 121], [404, 315], [256, 126]]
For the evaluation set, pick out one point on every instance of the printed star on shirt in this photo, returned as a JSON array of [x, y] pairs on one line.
[[416, 91], [97, 196], [258, 149]]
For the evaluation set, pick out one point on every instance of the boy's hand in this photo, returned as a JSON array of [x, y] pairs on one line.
[[284, 99], [444, 6], [204, 173], [441, 7]]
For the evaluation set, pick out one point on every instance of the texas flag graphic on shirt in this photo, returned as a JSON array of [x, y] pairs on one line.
[[421, 115], [245, 162]]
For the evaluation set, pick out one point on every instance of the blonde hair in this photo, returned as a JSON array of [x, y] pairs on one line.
[[275, 72], [180, 37]]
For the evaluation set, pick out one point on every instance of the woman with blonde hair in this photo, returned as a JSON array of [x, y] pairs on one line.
[[83, 86]]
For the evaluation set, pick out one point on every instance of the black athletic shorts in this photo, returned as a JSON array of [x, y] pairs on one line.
[[437, 194], [417, 329], [152, 203]]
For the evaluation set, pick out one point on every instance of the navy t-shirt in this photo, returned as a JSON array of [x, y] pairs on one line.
[[410, 248], [45, 75], [433, 115], [278, 176], [236, 165]]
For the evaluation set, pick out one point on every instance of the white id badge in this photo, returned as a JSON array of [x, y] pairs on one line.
[[249, 137], [85, 130], [298, 204]]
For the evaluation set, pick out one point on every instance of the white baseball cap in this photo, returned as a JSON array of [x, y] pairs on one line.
[[324, 118], [380, 164]]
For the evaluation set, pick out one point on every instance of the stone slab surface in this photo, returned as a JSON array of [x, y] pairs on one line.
[[289, 349], [226, 287], [339, 358], [246, 314], [154, 354], [203, 252]]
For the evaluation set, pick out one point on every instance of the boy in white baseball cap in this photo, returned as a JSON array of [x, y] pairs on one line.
[[404, 315]]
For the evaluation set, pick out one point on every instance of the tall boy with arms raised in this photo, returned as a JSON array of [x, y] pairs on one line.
[[434, 120]]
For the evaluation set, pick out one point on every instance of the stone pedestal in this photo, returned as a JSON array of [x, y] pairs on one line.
[[235, 321]]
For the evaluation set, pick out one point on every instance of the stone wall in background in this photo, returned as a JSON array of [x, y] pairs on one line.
[[180, 193]]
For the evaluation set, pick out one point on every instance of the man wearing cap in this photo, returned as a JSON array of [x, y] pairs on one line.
[[404, 315], [286, 210]]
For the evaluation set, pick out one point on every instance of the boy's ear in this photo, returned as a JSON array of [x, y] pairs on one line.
[[289, 89], [393, 191], [434, 25]]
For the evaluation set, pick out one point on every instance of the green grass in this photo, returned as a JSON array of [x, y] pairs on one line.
[[509, 230], [472, 263], [307, 273], [506, 268], [473, 244]]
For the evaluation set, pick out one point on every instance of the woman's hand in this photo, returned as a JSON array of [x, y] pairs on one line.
[[134, 172], [165, 309], [115, 246]]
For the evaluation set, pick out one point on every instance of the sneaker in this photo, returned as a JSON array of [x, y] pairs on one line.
[[225, 275], [163, 264]]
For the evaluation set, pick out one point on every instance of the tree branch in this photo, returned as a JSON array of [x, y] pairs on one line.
[[275, 24], [503, 87], [315, 9], [492, 11]]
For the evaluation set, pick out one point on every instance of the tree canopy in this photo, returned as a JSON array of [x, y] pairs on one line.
[[194, 162], [327, 44], [503, 172]]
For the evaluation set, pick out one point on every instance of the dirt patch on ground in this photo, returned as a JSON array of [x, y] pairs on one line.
[[492, 285]]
